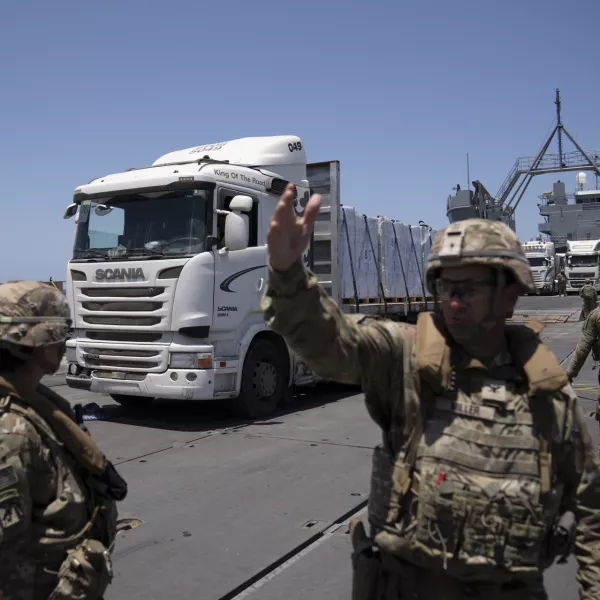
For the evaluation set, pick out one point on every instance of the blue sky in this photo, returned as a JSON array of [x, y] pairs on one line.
[[398, 92]]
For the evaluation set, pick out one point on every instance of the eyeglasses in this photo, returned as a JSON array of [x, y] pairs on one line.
[[467, 290]]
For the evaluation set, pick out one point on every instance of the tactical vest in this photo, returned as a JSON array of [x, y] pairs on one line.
[[80, 509], [471, 490]]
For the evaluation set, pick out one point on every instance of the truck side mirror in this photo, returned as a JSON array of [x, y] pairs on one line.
[[237, 226], [70, 211]]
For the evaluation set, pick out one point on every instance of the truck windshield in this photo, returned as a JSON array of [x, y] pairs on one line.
[[583, 260], [144, 226], [537, 261]]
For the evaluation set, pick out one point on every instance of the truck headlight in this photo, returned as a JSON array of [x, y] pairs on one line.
[[187, 360]]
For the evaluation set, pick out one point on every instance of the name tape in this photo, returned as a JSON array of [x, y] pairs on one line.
[[467, 409]]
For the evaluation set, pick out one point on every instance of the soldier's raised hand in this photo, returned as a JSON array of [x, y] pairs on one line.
[[289, 235]]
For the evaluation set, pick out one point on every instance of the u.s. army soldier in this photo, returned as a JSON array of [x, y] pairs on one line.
[[485, 474], [589, 340], [58, 492], [590, 298], [562, 283]]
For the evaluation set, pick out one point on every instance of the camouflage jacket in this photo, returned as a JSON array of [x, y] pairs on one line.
[[590, 335], [379, 355], [45, 505]]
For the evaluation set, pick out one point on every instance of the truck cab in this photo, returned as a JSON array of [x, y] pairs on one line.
[[582, 262], [542, 261], [169, 265]]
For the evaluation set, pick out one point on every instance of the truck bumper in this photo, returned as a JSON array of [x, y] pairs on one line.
[[174, 384]]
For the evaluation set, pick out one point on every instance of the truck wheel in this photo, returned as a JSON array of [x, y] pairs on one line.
[[263, 381], [131, 401]]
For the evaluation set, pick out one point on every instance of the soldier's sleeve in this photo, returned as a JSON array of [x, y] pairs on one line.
[[338, 347], [589, 334], [20, 458], [581, 473]]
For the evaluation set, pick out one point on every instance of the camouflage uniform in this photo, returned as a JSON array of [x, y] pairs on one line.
[[478, 463], [57, 490], [562, 284], [590, 298], [589, 340]]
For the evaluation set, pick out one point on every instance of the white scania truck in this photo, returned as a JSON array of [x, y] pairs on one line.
[[169, 266], [583, 262], [542, 261]]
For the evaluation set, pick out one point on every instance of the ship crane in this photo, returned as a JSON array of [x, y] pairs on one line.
[[466, 204]]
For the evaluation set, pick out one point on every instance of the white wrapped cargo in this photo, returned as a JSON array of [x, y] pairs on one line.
[[398, 264], [392, 261], [359, 264], [347, 252], [427, 237], [412, 251]]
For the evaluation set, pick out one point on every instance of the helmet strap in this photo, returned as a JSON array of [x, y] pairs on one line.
[[48, 366], [495, 313]]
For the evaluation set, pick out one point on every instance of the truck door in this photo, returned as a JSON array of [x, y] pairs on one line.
[[240, 276]]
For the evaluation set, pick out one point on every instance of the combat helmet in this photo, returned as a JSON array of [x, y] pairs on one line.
[[479, 242], [32, 315]]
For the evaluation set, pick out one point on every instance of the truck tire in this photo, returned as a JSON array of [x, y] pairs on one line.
[[131, 401], [263, 381]]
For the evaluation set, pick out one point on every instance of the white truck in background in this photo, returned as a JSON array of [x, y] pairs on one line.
[[582, 263], [169, 266], [542, 261]]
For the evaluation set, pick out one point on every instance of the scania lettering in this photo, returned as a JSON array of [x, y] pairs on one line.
[[169, 267], [583, 262], [542, 261], [119, 274]]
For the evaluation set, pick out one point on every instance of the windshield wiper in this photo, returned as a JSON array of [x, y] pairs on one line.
[[145, 252], [90, 253]]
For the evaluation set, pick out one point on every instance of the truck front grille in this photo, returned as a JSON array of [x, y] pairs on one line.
[[121, 352], [125, 292], [137, 359], [122, 306], [124, 336], [127, 307], [123, 329], [122, 321]]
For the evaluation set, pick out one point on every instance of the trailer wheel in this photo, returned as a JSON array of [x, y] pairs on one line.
[[263, 381], [131, 401]]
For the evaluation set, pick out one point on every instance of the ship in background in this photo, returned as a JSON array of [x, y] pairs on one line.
[[566, 221], [563, 221]]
